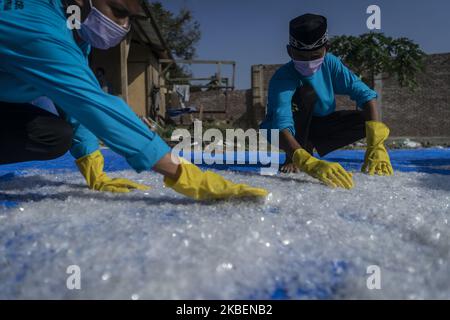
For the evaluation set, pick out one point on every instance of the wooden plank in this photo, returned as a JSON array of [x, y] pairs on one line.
[[233, 81], [148, 88], [124, 50]]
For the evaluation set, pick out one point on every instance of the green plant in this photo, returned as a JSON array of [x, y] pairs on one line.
[[181, 33], [372, 54]]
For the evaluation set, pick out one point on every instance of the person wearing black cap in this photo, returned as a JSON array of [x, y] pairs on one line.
[[301, 104]]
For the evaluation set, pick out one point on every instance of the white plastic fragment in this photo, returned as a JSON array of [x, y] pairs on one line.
[[304, 235]]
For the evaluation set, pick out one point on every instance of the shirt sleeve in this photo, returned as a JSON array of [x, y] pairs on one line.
[[279, 104], [84, 142], [59, 71], [345, 82]]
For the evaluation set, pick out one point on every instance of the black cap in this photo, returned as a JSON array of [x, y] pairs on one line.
[[308, 32]]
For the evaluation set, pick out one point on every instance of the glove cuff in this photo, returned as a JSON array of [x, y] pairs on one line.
[[376, 133], [94, 156], [300, 158], [187, 170], [189, 182], [91, 167]]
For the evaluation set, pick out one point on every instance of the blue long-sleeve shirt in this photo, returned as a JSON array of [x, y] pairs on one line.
[[333, 78], [40, 57]]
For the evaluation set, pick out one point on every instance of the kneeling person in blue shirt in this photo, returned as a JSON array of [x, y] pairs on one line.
[[301, 104], [41, 57]]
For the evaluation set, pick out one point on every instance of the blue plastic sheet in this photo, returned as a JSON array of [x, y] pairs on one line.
[[433, 161]]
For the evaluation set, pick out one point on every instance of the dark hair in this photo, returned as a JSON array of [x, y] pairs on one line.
[[102, 70]]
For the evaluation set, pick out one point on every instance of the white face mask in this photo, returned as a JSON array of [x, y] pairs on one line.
[[308, 68], [100, 31]]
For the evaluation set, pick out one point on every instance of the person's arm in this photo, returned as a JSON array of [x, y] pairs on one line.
[[371, 111], [84, 142], [376, 160], [345, 82], [288, 143], [279, 107]]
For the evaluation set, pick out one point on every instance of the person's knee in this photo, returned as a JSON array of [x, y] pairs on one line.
[[52, 135], [304, 100], [65, 135]]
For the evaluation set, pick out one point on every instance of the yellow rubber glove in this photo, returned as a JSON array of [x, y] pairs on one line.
[[91, 167], [200, 185], [332, 174], [377, 159]]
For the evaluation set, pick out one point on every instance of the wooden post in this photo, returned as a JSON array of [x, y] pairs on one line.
[[219, 74], [233, 82], [124, 51], [378, 87], [200, 115], [258, 109], [148, 88]]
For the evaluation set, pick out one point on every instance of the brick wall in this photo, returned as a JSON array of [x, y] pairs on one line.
[[423, 113], [229, 106]]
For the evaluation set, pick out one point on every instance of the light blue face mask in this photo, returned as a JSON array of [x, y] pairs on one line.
[[100, 31]]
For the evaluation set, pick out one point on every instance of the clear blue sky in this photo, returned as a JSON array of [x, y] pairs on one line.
[[256, 31]]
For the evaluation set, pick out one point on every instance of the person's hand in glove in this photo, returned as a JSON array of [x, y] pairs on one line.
[[208, 185], [376, 161], [91, 167], [332, 174]]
